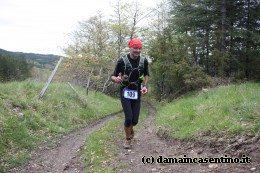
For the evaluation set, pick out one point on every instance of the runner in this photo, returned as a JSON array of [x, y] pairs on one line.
[[130, 71]]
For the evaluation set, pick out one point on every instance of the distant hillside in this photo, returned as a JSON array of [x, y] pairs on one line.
[[38, 60]]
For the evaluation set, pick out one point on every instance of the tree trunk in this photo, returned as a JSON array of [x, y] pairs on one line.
[[223, 25], [90, 74], [247, 42]]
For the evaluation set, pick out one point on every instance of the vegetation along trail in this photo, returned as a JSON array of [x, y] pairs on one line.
[[152, 148], [148, 145]]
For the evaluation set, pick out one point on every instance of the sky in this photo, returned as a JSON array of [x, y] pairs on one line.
[[44, 26]]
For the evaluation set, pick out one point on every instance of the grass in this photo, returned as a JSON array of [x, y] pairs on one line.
[[230, 110], [26, 121], [102, 145]]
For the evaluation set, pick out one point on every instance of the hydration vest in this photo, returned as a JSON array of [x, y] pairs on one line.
[[128, 69]]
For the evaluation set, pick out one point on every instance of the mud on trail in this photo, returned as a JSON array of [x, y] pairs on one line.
[[148, 141], [66, 155]]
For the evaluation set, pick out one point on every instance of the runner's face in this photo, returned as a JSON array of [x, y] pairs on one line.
[[135, 51]]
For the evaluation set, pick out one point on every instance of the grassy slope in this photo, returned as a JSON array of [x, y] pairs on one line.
[[26, 121], [232, 109]]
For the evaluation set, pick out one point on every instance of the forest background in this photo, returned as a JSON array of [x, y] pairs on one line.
[[189, 44]]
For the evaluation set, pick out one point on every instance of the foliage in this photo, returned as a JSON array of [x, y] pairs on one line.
[[101, 38], [91, 39], [86, 71], [13, 68], [97, 44], [172, 69], [206, 38], [187, 42], [27, 121], [226, 34], [229, 110]]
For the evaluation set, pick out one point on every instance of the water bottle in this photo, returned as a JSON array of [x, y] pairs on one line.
[[125, 79]]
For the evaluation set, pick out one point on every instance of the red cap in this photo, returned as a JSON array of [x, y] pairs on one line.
[[135, 42]]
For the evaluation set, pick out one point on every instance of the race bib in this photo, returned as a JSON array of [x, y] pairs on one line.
[[130, 94]]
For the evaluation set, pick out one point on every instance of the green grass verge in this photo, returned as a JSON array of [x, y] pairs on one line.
[[230, 110], [26, 121], [102, 145]]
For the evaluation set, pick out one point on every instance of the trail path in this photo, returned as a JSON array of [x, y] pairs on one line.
[[66, 156], [147, 144]]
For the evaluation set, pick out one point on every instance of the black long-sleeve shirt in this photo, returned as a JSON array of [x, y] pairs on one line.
[[135, 74]]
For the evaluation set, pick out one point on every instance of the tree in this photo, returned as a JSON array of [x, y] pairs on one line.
[[226, 34], [159, 19], [173, 73], [126, 23], [119, 27], [99, 42], [13, 68], [91, 38]]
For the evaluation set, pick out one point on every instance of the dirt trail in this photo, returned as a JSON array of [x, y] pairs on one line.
[[65, 156], [147, 144]]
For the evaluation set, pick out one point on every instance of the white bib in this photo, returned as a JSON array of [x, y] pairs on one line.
[[130, 94]]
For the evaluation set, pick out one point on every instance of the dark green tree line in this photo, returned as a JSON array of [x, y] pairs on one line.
[[13, 68], [206, 38]]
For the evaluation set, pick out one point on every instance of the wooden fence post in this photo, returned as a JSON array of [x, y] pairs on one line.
[[83, 101], [50, 78]]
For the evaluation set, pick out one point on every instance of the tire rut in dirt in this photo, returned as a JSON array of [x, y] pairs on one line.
[[65, 156]]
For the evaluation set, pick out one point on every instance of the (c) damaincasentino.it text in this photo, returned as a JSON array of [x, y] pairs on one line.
[[189, 160]]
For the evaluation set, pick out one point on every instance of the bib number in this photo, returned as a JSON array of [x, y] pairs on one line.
[[130, 94]]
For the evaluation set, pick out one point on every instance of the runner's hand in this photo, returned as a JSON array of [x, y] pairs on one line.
[[118, 79], [144, 90]]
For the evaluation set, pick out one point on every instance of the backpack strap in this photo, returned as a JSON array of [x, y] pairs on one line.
[[127, 63], [141, 62]]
